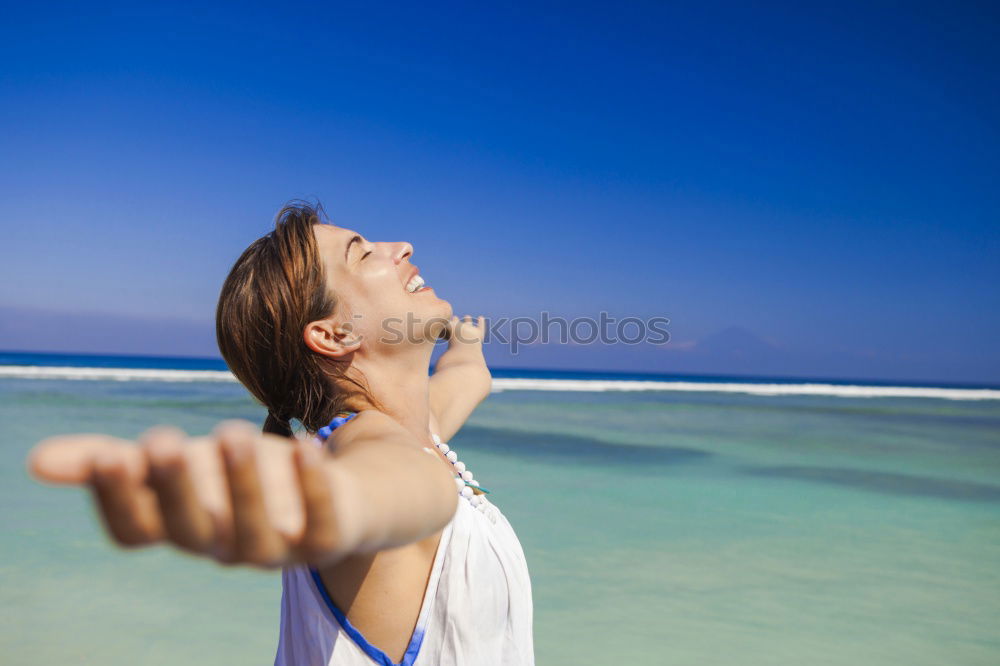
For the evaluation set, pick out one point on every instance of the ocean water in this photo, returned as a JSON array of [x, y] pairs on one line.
[[661, 526]]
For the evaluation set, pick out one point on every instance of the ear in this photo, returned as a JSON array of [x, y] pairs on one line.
[[330, 338]]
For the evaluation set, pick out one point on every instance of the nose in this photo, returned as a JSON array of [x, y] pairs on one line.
[[401, 251]]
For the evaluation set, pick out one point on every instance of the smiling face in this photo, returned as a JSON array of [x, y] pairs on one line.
[[378, 291]]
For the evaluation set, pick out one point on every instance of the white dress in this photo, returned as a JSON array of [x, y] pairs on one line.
[[476, 609]]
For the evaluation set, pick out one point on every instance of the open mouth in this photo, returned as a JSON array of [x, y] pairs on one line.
[[415, 284]]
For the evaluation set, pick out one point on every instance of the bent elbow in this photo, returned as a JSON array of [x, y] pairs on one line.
[[482, 383]]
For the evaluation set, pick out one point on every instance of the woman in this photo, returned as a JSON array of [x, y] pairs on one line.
[[391, 551]]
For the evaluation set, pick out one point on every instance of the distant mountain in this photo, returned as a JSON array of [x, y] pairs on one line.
[[736, 342], [736, 350], [732, 350]]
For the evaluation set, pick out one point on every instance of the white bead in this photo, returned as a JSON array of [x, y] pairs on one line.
[[444, 447], [474, 482], [467, 492], [437, 440], [459, 466], [459, 483], [467, 476], [476, 500], [452, 456], [482, 507]]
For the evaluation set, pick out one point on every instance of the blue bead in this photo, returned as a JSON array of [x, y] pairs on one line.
[[326, 431]]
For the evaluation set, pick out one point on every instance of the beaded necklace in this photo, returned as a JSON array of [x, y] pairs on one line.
[[467, 486]]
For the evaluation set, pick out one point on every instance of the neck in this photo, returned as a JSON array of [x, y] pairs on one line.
[[401, 385]]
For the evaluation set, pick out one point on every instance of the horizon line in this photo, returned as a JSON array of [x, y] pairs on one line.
[[751, 378]]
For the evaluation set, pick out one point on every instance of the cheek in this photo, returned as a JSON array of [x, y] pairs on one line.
[[377, 306], [381, 283], [371, 291]]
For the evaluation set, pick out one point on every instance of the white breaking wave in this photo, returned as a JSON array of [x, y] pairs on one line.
[[844, 391], [514, 384], [115, 374]]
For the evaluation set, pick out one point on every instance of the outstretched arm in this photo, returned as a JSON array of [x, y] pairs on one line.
[[240, 496], [461, 379]]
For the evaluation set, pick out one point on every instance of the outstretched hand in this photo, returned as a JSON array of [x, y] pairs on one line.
[[466, 332], [235, 496]]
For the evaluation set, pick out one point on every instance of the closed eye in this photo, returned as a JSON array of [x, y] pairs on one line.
[[365, 255]]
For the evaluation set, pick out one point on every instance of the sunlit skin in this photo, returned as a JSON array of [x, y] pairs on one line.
[[367, 510], [369, 279]]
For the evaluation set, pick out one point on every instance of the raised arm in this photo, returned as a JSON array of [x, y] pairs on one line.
[[239, 496], [461, 379]]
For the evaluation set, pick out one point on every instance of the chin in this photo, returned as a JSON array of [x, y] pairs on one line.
[[441, 315], [446, 309], [438, 308]]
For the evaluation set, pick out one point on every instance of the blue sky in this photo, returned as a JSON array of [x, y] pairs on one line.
[[801, 191]]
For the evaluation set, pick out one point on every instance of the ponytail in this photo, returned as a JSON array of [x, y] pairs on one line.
[[277, 425]]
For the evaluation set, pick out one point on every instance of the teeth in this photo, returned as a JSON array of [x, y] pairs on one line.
[[416, 282]]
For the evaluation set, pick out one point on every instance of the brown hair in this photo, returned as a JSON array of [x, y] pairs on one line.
[[274, 289]]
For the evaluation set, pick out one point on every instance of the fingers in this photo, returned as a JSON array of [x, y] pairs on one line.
[[128, 507], [207, 496], [185, 520], [68, 459], [456, 321], [320, 542], [254, 538], [116, 472]]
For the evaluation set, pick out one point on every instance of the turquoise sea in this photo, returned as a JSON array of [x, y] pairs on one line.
[[661, 526]]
